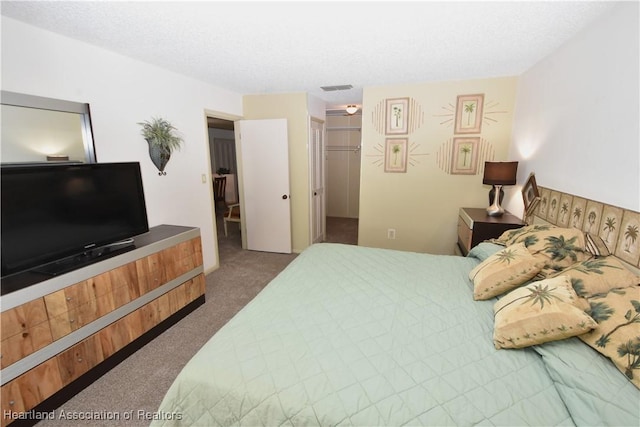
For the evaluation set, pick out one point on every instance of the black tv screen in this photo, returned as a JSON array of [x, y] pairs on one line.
[[51, 212]]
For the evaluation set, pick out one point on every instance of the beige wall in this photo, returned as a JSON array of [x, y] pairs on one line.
[[422, 203], [294, 108]]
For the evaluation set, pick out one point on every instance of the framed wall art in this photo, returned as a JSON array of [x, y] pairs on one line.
[[397, 116], [465, 156], [469, 113], [530, 194], [395, 155]]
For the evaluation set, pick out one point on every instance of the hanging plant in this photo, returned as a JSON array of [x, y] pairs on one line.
[[162, 140]]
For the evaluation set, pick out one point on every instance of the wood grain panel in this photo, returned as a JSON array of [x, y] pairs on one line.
[[78, 359]]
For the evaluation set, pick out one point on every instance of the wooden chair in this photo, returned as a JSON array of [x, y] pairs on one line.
[[219, 188], [231, 215]]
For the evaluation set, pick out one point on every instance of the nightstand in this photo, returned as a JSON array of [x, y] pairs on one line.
[[475, 226]]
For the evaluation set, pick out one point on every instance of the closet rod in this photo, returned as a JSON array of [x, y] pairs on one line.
[[354, 128], [343, 148]]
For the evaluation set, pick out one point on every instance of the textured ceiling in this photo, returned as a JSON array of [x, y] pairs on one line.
[[280, 47]]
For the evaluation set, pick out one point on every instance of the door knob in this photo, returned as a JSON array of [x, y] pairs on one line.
[[284, 197]]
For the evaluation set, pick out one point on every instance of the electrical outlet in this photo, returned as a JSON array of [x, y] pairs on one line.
[[391, 233], [204, 178]]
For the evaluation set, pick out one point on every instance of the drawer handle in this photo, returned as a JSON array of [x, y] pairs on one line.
[[79, 359], [12, 402], [69, 298], [71, 320]]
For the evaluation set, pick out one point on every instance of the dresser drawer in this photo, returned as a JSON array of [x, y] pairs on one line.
[[464, 234]]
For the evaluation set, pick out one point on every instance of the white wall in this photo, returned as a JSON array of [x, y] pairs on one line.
[[576, 121], [122, 92]]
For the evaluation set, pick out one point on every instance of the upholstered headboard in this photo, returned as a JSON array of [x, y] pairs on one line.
[[618, 227]]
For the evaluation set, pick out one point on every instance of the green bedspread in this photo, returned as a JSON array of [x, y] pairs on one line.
[[351, 335]]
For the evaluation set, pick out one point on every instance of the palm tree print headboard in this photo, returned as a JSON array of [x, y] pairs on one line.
[[618, 227]]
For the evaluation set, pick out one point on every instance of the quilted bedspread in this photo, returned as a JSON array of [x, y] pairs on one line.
[[349, 335]]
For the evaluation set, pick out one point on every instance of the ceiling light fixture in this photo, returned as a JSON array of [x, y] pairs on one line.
[[351, 109]]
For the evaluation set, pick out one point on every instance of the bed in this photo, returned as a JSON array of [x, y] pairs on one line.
[[349, 335]]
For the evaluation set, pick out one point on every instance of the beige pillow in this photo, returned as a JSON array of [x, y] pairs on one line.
[[517, 235], [617, 335], [599, 275], [543, 311], [561, 246], [503, 271]]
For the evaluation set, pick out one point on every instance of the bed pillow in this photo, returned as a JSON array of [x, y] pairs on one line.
[[516, 235], [617, 335], [561, 246], [484, 250], [599, 275], [503, 271], [543, 311], [596, 245]]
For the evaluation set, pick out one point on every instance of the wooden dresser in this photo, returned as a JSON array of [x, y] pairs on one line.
[[61, 334]]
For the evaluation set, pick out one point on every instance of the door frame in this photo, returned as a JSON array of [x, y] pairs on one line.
[[323, 172], [231, 118]]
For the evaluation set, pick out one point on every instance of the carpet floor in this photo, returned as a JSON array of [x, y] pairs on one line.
[[137, 385]]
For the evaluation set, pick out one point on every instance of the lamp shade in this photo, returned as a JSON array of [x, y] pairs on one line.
[[500, 173], [351, 109]]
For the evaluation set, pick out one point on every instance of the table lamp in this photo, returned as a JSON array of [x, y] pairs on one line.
[[498, 174]]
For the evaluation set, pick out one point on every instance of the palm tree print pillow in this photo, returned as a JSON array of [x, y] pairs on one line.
[[515, 235], [503, 271], [543, 311], [617, 335], [561, 246], [599, 275]]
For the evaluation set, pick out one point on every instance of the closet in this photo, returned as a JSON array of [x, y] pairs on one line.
[[343, 164]]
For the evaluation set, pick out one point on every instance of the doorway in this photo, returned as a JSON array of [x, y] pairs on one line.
[[343, 157], [222, 149]]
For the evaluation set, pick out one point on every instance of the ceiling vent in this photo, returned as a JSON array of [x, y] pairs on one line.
[[336, 87]]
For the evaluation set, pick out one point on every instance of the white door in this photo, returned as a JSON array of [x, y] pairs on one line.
[[316, 170], [264, 184]]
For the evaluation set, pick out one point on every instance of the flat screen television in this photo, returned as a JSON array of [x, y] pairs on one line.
[[57, 215]]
